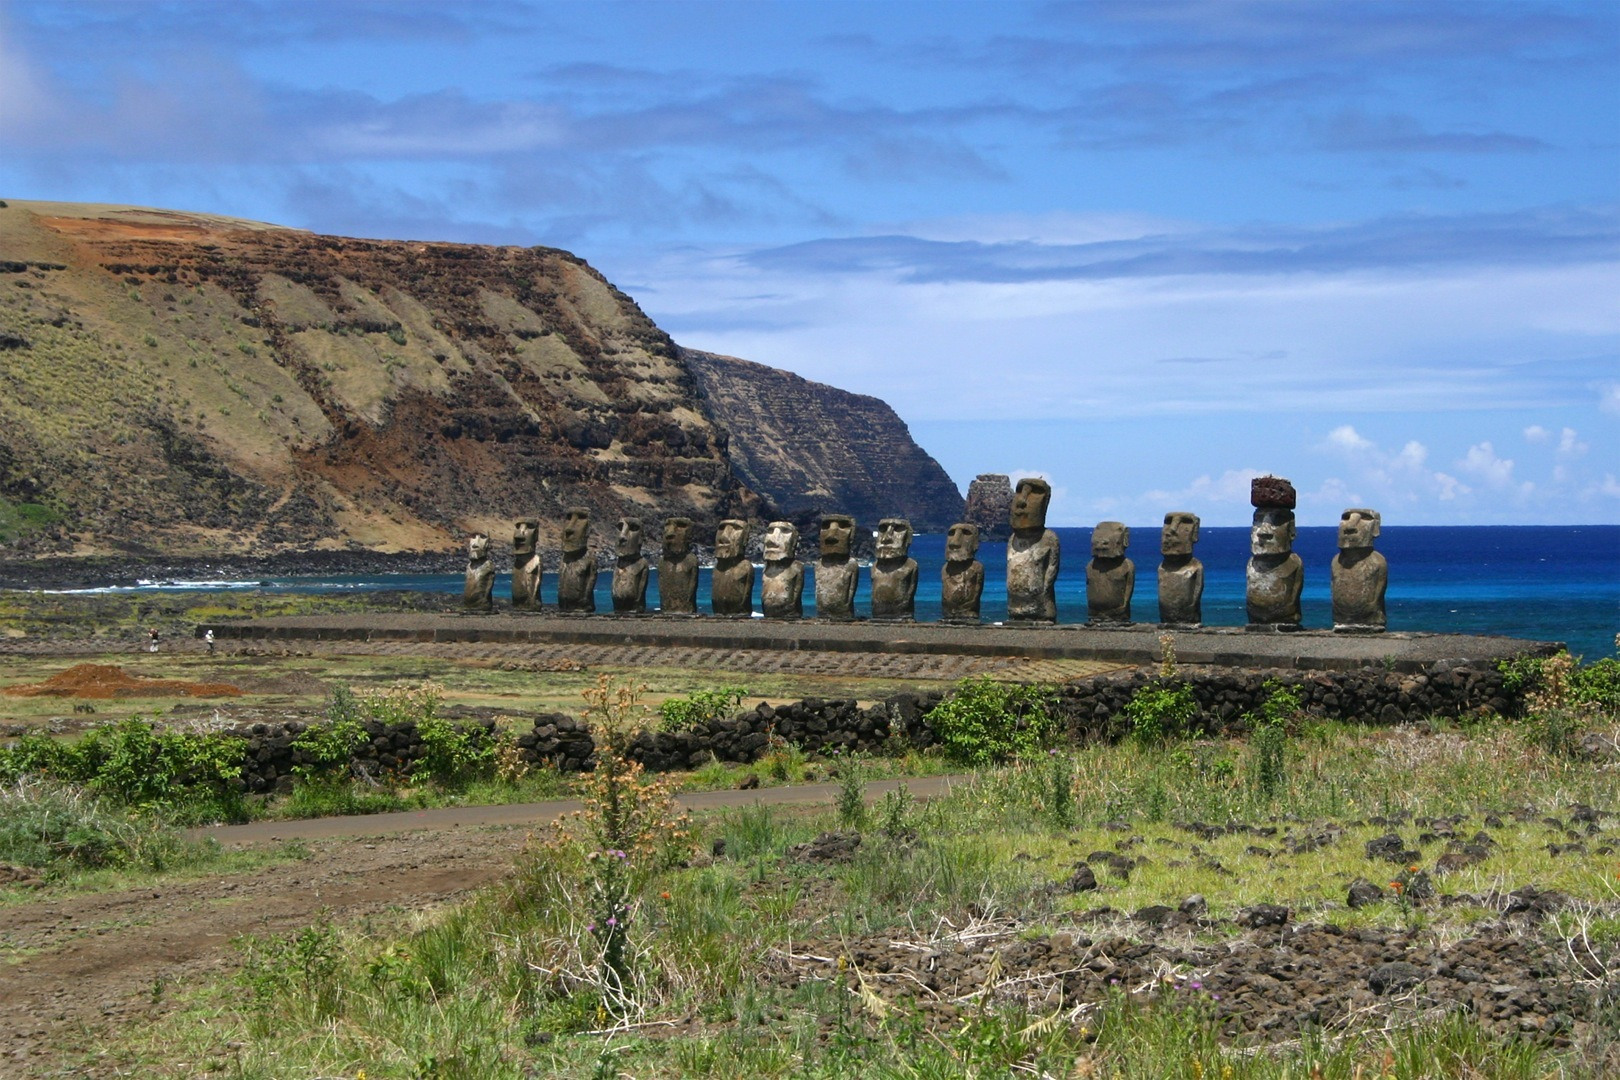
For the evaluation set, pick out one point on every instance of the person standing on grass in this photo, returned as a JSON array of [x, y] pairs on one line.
[[208, 639], [151, 641]]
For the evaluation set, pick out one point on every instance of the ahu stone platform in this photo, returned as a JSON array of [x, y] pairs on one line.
[[1134, 644]]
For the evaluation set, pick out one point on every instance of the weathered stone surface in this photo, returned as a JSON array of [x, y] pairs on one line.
[[576, 579], [630, 573], [678, 569], [894, 572], [837, 572], [962, 578], [781, 591], [1110, 576], [989, 502], [1360, 574], [1271, 493], [1276, 576], [526, 565], [731, 589], [480, 582], [808, 447], [1032, 555], [1181, 575]]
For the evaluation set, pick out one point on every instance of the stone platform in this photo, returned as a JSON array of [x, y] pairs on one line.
[[1137, 644]]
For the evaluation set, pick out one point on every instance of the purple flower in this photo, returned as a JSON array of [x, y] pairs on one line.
[[1197, 986], [591, 929], [612, 921]]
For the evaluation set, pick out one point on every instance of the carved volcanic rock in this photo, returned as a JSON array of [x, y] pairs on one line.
[[811, 448], [189, 383]]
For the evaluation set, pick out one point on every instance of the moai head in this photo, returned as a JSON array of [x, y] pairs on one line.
[[1109, 540], [1359, 528], [1030, 499], [730, 539], [576, 530], [525, 534], [677, 538], [962, 542], [477, 547], [837, 534], [1272, 532], [629, 538], [893, 538], [1180, 533], [781, 541]]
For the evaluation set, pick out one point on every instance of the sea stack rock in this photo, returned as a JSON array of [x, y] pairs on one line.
[[989, 501]]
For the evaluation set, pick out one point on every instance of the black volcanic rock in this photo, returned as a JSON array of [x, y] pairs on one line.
[[810, 448]]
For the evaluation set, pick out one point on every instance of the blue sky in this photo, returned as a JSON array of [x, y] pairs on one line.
[[1146, 249]]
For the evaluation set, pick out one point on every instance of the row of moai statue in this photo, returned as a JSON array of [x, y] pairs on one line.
[[1275, 574]]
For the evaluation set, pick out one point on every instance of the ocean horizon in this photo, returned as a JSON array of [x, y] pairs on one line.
[[1542, 582]]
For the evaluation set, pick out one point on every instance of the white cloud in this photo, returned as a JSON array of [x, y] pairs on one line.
[[1535, 433], [1451, 487], [1231, 486], [1347, 438], [1569, 445], [1481, 461], [1609, 398], [1610, 486]]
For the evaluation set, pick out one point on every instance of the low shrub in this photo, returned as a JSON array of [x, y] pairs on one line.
[[1160, 712], [50, 826], [702, 707], [983, 721]]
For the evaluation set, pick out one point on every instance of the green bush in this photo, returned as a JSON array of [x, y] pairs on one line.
[[984, 721], [1587, 687], [1160, 712], [451, 755], [702, 707], [329, 747], [134, 763], [1268, 737]]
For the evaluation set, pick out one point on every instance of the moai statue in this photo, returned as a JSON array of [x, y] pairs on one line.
[[781, 587], [1110, 576], [475, 595], [1360, 575], [630, 572], [961, 582], [731, 588], [1276, 576], [894, 572], [526, 566], [1181, 576], [837, 572], [576, 583], [678, 569], [1032, 555]]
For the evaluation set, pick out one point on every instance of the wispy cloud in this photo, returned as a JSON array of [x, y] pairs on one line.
[[1552, 235]]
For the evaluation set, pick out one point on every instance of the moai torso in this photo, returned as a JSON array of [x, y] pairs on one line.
[[1181, 576], [629, 589], [961, 581], [731, 586], [781, 590], [576, 581], [678, 570], [1275, 575], [1110, 576], [894, 573], [1032, 556], [477, 590], [837, 572], [526, 565], [1360, 574]]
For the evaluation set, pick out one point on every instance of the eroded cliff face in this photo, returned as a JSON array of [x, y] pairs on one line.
[[189, 383], [811, 448]]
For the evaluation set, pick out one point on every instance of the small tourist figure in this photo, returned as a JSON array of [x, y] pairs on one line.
[[208, 639], [151, 640]]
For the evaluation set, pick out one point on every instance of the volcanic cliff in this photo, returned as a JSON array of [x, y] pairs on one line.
[[196, 384]]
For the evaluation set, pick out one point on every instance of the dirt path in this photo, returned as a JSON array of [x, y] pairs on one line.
[[73, 966]]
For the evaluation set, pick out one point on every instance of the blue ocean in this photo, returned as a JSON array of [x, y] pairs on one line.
[[1547, 583]]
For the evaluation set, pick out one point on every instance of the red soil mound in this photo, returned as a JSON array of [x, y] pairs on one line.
[[108, 681]]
